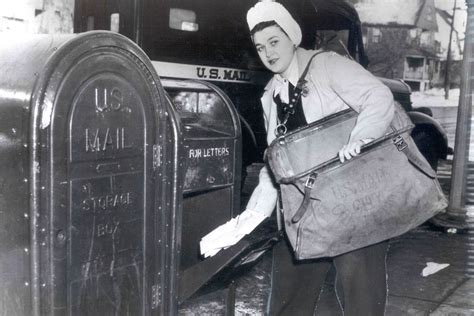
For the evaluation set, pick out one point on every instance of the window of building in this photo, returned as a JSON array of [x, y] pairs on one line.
[[415, 62], [376, 35], [413, 33], [427, 39], [429, 14], [438, 46], [365, 35]]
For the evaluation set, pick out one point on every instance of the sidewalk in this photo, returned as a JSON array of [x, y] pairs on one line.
[[410, 293], [461, 302], [447, 292]]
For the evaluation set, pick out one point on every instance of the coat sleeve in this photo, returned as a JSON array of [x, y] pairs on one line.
[[264, 197], [364, 93]]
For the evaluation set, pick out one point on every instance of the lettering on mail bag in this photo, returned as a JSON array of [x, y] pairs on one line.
[[330, 207]]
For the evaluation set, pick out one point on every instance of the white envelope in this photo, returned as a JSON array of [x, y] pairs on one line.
[[230, 233]]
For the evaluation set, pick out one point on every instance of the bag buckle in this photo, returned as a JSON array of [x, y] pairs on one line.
[[310, 181], [399, 142], [280, 130]]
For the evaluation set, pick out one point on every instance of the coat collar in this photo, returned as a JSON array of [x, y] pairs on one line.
[[269, 111], [302, 56]]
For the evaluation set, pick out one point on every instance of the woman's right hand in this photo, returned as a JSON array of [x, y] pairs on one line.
[[352, 149]]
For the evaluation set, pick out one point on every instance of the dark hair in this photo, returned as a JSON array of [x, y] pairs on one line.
[[263, 25]]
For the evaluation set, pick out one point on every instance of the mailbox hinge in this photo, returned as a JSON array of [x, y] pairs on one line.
[[155, 296], [157, 156]]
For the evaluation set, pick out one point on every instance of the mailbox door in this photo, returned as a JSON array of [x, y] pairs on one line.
[[211, 162], [102, 226]]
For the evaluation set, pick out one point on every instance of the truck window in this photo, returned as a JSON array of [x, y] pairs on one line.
[[332, 40], [193, 33], [183, 20]]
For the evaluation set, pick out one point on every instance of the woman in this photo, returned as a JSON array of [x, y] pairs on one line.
[[333, 83]]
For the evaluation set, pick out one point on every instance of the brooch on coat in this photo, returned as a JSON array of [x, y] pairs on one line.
[[303, 87]]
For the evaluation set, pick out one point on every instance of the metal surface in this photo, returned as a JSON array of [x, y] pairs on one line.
[[430, 137], [84, 205], [463, 153]]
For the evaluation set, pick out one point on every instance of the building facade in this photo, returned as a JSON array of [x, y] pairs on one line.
[[403, 40]]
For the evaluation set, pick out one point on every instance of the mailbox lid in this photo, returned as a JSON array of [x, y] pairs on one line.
[[211, 165], [99, 195]]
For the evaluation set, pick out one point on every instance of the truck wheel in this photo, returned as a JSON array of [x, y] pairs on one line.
[[427, 143]]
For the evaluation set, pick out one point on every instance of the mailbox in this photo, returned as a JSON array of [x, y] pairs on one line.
[[87, 178], [210, 171], [211, 161]]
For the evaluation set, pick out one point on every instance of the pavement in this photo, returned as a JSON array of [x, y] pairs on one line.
[[458, 303], [449, 291]]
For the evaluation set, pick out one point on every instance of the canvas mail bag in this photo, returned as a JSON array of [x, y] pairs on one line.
[[330, 208]]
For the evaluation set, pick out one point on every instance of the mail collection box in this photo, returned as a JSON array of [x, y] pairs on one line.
[[87, 167], [211, 162]]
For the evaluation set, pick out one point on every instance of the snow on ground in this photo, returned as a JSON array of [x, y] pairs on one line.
[[435, 98]]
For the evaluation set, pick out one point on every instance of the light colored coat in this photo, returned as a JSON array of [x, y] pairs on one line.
[[334, 83]]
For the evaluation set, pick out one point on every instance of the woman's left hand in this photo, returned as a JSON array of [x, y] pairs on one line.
[[350, 150]]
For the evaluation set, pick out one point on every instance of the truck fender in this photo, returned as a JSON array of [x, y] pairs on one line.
[[430, 137]]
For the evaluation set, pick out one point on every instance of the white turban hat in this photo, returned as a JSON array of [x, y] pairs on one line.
[[268, 10]]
